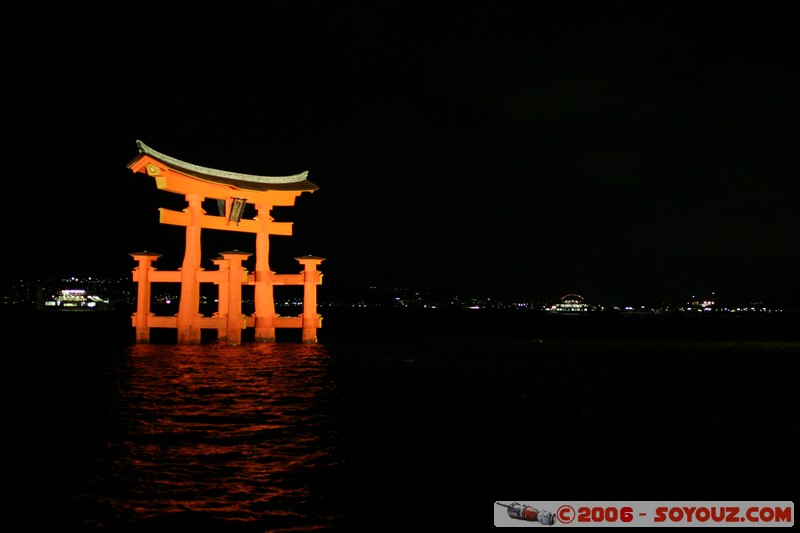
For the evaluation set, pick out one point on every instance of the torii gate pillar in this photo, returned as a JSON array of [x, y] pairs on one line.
[[263, 291], [189, 306]]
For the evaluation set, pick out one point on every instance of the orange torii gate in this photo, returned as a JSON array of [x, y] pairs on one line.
[[233, 190]]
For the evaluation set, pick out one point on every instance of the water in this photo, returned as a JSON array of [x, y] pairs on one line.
[[376, 428]]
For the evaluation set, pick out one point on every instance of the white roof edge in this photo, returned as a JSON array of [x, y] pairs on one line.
[[296, 178]]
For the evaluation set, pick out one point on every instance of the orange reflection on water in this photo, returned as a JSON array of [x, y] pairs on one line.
[[235, 432]]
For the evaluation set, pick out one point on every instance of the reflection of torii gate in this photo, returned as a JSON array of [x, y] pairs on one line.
[[233, 190]]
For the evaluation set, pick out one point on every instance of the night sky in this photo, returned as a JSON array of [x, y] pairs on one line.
[[624, 151]]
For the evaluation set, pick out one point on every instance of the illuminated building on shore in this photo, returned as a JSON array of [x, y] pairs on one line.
[[701, 304], [76, 299], [571, 304]]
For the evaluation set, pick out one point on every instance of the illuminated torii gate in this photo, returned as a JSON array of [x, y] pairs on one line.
[[231, 190]]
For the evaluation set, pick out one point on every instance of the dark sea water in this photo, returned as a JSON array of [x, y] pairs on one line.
[[394, 421]]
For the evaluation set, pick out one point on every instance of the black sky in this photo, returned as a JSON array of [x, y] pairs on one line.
[[626, 150]]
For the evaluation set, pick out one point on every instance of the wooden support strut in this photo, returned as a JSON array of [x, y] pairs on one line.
[[236, 321], [141, 275], [311, 278], [222, 283], [231, 275]]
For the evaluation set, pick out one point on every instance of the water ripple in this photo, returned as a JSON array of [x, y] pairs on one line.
[[228, 432]]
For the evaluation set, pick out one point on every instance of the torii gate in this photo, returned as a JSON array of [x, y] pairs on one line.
[[231, 190]]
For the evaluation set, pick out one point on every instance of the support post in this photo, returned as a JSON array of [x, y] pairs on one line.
[[311, 278], [236, 321], [189, 308], [222, 296], [141, 274]]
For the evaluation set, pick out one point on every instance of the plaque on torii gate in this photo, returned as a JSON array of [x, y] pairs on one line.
[[232, 191]]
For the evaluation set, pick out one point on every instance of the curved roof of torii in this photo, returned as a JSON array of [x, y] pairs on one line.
[[296, 182]]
